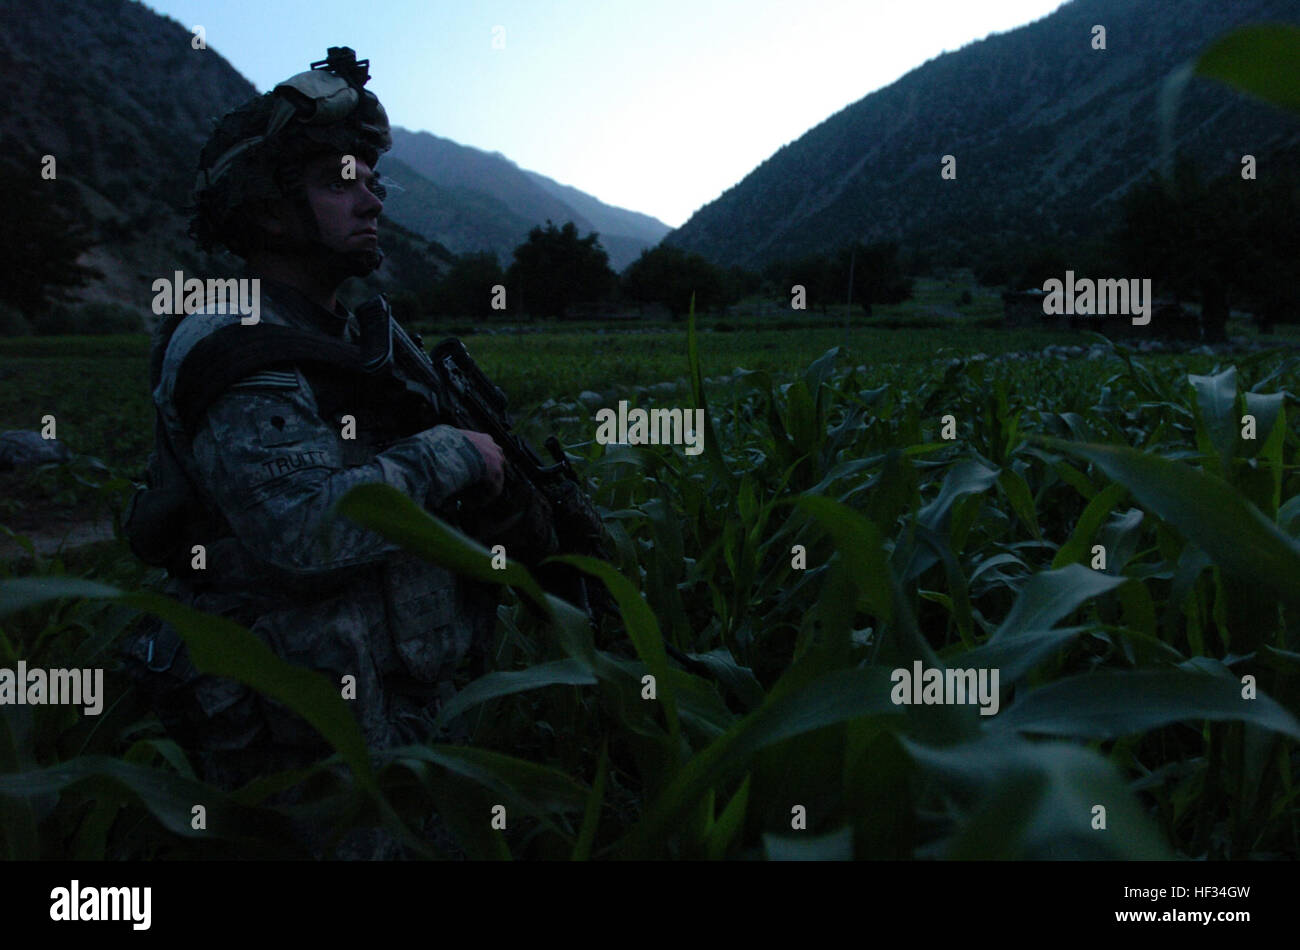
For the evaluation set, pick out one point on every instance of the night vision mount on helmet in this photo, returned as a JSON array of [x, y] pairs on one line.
[[257, 152]]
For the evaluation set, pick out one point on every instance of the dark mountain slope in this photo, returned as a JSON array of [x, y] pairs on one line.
[[1046, 132], [117, 94]]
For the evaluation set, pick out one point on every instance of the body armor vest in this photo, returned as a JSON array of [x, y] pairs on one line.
[[164, 519]]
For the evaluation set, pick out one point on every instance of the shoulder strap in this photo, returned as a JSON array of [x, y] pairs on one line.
[[233, 352], [162, 338], [162, 515], [217, 362]]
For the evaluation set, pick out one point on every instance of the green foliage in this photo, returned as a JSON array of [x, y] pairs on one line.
[[875, 273], [100, 318], [555, 268], [1222, 242], [874, 270], [12, 322], [466, 290], [71, 374], [669, 276], [69, 377], [1120, 684], [45, 237], [1229, 238], [1261, 59]]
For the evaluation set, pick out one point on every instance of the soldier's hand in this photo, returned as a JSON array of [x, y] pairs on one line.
[[493, 457]]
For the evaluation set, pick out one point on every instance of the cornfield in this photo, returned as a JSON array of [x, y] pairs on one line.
[[1117, 539]]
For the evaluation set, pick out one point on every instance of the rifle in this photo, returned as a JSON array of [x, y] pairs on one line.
[[543, 509], [550, 499]]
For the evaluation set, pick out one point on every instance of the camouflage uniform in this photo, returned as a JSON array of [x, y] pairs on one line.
[[332, 597], [267, 460]]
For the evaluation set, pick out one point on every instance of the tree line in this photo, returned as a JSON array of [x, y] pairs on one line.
[[1223, 243], [556, 273]]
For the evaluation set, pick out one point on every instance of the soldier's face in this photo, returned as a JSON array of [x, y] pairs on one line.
[[347, 211]]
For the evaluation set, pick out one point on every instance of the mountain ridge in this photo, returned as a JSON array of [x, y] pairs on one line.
[[529, 195], [1039, 130], [117, 94]]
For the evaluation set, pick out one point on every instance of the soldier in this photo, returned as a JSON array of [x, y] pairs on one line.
[[260, 460]]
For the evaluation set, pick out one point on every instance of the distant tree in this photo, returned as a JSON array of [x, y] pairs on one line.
[[98, 317], [877, 275], [1271, 289], [1153, 234], [773, 278], [819, 276], [1035, 264], [919, 261], [466, 290], [739, 283], [43, 239], [992, 266], [419, 266], [555, 268], [668, 275], [1198, 239]]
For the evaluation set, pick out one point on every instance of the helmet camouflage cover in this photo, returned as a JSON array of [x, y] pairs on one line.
[[257, 151]]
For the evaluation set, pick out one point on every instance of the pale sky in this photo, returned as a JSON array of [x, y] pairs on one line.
[[653, 105]]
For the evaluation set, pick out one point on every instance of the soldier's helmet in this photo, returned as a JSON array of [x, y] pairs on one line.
[[257, 152]]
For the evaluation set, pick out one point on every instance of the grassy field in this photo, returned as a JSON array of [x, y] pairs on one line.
[[97, 386], [829, 536]]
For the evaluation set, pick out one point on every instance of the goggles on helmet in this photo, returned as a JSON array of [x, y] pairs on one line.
[[327, 94]]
